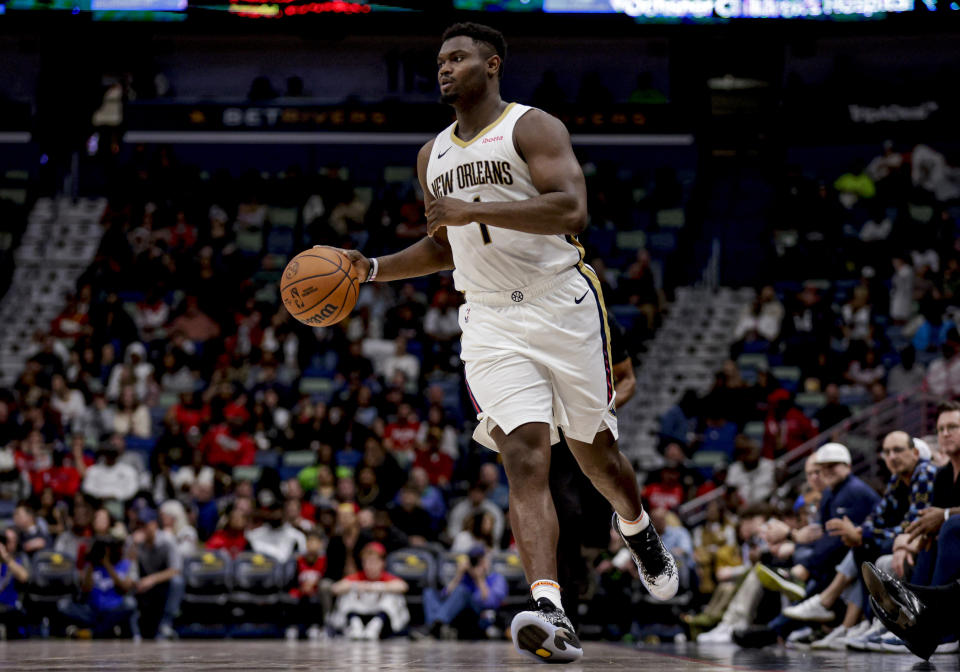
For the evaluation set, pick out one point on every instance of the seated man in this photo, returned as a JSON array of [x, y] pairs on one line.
[[371, 603], [13, 575], [160, 588], [907, 494], [108, 579], [474, 588], [937, 529]]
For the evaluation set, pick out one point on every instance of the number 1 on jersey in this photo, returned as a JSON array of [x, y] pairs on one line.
[[484, 231]]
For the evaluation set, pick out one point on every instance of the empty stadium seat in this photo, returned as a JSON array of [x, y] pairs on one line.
[[508, 564], [416, 566]]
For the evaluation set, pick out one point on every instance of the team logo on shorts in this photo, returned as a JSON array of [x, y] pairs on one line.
[[517, 296]]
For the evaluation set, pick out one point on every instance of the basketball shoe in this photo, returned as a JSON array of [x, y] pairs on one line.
[[658, 569], [543, 632]]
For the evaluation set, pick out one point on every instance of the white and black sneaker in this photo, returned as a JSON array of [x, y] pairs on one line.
[[544, 633], [658, 569]]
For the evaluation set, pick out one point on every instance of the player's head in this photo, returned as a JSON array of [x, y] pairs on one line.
[[470, 61]]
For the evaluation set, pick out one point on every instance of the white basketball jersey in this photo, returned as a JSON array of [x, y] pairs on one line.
[[488, 168]]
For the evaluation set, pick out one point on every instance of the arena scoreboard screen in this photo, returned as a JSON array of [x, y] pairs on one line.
[[721, 10]]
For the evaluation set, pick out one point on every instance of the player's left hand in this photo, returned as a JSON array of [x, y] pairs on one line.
[[447, 211]]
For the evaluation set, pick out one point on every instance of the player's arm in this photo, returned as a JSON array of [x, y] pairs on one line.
[[561, 207], [625, 381], [426, 256]]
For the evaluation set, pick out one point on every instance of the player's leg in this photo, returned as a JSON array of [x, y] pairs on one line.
[[543, 631], [613, 476], [526, 459], [610, 472]]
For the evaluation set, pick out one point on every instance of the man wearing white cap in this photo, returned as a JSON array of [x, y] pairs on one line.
[[845, 496]]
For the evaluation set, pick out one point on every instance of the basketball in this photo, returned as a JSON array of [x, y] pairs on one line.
[[319, 287]]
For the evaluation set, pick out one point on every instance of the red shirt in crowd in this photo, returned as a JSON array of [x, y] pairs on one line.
[[402, 435], [309, 575], [220, 447], [439, 466], [661, 495], [362, 576], [233, 542], [64, 481], [189, 417]]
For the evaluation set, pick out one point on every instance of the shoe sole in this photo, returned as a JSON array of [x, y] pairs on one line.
[[534, 639], [773, 581], [891, 608]]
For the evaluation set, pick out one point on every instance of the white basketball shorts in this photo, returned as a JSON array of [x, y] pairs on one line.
[[540, 354]]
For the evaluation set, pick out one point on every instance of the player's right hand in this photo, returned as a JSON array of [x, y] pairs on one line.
[[359, 262]]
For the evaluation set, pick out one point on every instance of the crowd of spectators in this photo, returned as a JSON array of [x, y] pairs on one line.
[[175, 408], [174, 411]]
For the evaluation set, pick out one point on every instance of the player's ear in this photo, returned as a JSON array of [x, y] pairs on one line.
[[494, 64]]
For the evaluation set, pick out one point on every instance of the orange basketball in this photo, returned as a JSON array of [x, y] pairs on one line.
[[319, 287]]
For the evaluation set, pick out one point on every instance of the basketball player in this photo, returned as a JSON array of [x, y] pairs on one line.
[[505, 199]]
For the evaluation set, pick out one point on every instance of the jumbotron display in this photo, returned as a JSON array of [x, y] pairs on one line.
[[719, 10]]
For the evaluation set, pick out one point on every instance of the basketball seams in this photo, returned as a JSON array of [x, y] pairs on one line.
[[343, 265]]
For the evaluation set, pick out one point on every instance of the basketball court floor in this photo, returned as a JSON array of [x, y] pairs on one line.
[[343, 656]]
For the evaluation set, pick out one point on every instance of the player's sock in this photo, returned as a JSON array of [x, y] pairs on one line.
[[632, 527], [548, 589]]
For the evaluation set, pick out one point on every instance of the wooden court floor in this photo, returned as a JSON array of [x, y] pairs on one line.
[[429, 656]]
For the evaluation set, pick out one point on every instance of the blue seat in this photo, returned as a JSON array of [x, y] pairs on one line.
[[267, 458]]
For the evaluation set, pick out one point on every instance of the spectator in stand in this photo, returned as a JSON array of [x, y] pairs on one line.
[[195, 325], [111, 478], [341, 558], [371, 605], [69, 403], [473, 590], [173, 521], [228, 443], [32, 533], [492, 480], [400, 436], [845, 496], [106, 584], [678, 423], [135, 370], [76, 539], [404, 362], [275, 537], [132, 417], [715, 547], [311, 606], [901, 291], [759, 324], [412, 518], [906, 375], [437, 464], [663, 488], [232, 537], [160, 587], [786, 427], [14, 576], [832, 413], [943, 375], [751, 474], [638, 288], [475, 502], [864, 369]]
